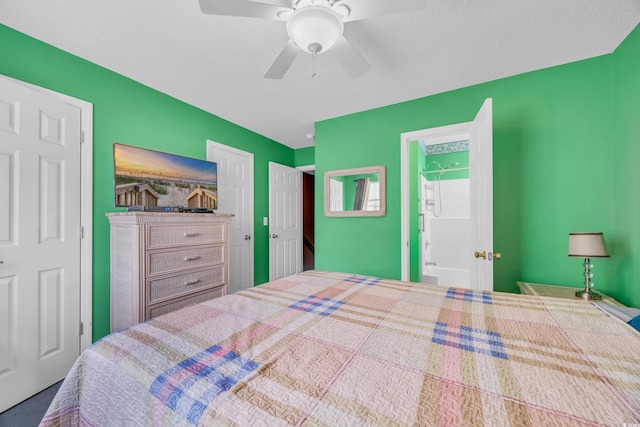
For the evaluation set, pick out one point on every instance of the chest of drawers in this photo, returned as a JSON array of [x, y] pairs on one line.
[[164, 261]]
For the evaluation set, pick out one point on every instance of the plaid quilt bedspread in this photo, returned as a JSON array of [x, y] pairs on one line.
[[328, 349]]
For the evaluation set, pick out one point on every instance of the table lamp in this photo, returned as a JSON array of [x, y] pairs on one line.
[[587, 245]]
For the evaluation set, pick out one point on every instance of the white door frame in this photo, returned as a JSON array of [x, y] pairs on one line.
[[304, 169], [86, 208], [443, 134], [307, 168], [460, 131]]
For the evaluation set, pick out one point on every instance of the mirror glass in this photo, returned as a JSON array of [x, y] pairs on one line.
[[355, 192]]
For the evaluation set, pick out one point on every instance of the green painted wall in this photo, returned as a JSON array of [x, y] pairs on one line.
[[304, 156], [556, 166], [133, 114], [624, 244]]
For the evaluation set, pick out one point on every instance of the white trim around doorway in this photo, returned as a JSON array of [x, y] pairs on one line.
[[429, 136]]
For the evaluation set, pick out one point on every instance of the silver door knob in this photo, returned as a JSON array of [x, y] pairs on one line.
[[274, 236], [247, 237]]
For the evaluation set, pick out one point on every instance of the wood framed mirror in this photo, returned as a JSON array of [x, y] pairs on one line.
[[355, 192]]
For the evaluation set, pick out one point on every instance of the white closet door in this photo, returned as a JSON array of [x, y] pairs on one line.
[[235, 196], [39, 240]]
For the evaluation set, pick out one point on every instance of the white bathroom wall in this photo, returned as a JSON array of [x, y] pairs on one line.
[[446, 238]]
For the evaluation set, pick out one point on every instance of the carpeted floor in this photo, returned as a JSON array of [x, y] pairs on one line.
[[30, 412]]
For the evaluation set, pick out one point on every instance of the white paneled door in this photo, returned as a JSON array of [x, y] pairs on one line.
[[40, 222], [285, 221], [481, 182], [235, 196]]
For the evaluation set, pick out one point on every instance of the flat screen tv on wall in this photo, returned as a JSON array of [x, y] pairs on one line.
[[144, 177]]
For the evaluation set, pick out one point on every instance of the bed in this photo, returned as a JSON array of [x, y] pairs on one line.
[[333, 349]]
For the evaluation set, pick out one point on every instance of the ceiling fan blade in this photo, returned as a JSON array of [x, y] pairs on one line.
[[353, 63], [363, 9], [284, 60], [245, 8]]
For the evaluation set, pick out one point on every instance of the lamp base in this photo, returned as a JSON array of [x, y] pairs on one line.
[[587, 295]]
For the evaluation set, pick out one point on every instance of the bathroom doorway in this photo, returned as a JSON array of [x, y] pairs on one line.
[[476, 250], [444, 213]]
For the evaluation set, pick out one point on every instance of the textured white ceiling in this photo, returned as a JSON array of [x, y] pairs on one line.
[[216, 63]]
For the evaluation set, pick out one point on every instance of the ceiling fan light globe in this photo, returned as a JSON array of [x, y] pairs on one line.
[[311, 26]]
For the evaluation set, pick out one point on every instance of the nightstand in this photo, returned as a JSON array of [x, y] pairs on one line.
[[555, 291]]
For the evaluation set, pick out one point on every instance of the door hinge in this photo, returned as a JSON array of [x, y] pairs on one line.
[[81, 232], [81, 328], [81, 137]]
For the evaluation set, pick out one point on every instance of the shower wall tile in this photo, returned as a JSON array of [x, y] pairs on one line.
[[449, 147]]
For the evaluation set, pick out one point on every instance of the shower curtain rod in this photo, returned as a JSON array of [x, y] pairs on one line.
[[445, 170]]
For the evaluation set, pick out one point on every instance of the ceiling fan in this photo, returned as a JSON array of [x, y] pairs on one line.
[[313, 26]]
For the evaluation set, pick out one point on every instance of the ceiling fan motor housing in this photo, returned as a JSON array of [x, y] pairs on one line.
[[315, 29]]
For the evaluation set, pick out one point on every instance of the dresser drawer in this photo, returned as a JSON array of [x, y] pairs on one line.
[[155, 311], [163, 261], [159, 289], [159, 262], [161, 235]]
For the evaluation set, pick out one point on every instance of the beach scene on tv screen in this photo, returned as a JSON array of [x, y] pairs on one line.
[[151, 178]]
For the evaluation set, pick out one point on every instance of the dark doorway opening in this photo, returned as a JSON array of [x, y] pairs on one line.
[[308, 187]]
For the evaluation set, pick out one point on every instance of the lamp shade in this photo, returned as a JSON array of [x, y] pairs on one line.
[[315, 29], [587, 245]]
